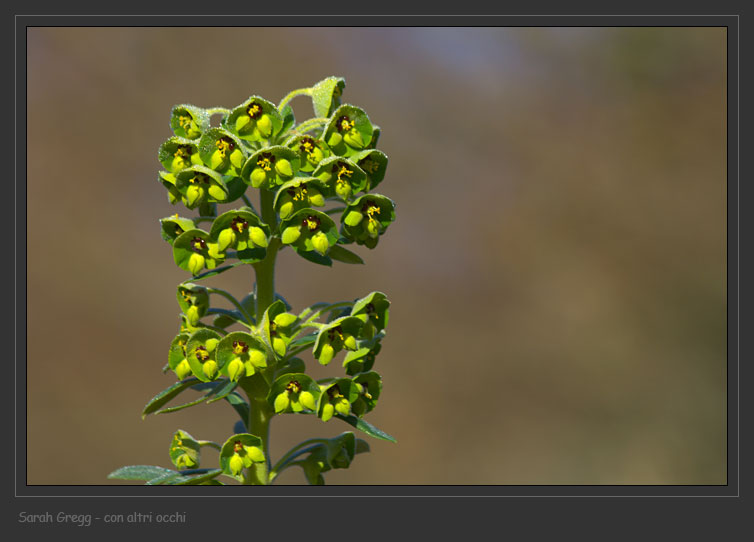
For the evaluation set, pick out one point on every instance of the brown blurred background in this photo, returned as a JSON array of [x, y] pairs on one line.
[[557, 268]]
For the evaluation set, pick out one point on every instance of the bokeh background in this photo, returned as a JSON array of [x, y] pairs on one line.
[[557, 268]]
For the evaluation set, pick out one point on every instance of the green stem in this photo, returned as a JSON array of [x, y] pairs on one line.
[[258, 386], [265, 270], [258, 424], [310, 124], [293, 94], [217, 110], [233, 300]]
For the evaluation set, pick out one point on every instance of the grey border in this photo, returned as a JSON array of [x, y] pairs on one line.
[[732, 21]]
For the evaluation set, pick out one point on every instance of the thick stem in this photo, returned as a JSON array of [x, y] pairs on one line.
[[265, 270], [258, 424], [257, 387]]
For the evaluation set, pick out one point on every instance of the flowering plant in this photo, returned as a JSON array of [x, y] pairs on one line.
[[247, 356]]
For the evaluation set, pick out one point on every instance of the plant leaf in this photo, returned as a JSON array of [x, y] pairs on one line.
[[213, 272], [344, 255], [366, 427], [139, 472], [167, 395], [196, 480]]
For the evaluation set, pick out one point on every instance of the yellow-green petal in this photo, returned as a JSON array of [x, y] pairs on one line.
[[307, 400], [195, 263], [257, 236], [281, 402]]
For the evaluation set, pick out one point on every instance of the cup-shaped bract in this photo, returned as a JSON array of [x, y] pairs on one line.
[[255, 120], [221, 151], [240, 354], [194, 251], [362, 359], [336, 398], [177, 356], [341, 333], [326, 95], [201, 353], [373, 309], [294, 392], [300, 193], [270, 167], [178, 153], [199, 185], [185, 450], [167, 180], [311, 151], [366, 219], [343, 178], [278, 325], [240, 451], [172, 226], [188, 121], [373, 163], [243, 231], [310, 233], [194, 301], [369, 386], [349, 131]]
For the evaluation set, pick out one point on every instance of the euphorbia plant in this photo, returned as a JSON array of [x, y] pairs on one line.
[[247, 356]]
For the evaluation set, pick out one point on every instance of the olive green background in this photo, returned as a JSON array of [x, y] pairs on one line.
[[557, 268]]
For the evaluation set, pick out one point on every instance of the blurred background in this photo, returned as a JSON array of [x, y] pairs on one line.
[[557, 268]]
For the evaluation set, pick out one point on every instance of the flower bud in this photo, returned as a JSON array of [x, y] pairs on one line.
[[242, 121], [335, 139], [278, 345], [353, 139], [350, 342], [226, 238], [353, 218], [235, 464], [216, 192], [257, 358], [195, 263], [281, 402], [254, 453], [290, 235], [194, 194], [307, 400], [183, 369], [192, 315], [320, 242], [210, 369], [343, 190], [235, 369], [327, 412], [258, 177], [343, 406], [326, 354], [316, 198], [283, 168], [264, 125], [257, 236]]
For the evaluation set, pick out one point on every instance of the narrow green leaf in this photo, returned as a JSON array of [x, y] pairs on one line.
[[139, 472], [196, 480], [167, 395], [165, 479], [214, 387], [240, 405], [223, 392], [344, 255], [214, 272], [365, 426]]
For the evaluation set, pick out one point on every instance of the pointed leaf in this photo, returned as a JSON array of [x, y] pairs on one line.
[[344, 255], [167, 395], [365, 426]]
